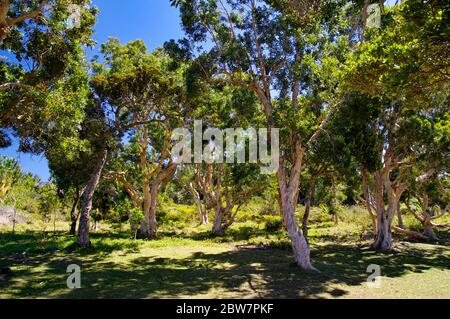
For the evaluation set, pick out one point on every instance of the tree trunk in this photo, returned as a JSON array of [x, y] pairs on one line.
[[309, 196], [153, 226], [96, 226], [218, 228], [288, 194], [383, 241], [74, 216], [334, 201], [88, 194], [299, 243], [399, 216], [428, 229], [203, 213], [367, 198], [149, 227]]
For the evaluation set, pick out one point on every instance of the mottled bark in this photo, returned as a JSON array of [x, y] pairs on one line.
[[383, 240], [289, 191], [88, 194], [427, 217], [219, 225]]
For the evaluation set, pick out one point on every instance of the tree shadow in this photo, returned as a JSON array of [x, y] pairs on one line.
[[239, 273]]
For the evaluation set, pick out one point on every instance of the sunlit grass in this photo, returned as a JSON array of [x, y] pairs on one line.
[[248, 262]]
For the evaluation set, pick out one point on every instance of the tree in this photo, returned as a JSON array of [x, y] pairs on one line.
[[7, 22], [329, 156], [146, 169], [129, 88], [385, 67], [226, 189], [10, 173], [41, 48], [258, 48]]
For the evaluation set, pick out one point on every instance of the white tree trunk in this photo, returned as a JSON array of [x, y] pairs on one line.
[[383, 241], [218, 228], [300, 246], [288, 198]]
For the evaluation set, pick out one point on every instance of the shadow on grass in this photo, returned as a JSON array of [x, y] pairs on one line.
[[23, 246], [239, 273]]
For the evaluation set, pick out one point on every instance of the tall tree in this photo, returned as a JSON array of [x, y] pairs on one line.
[[129, 89], [258, 48], [388, 68], [40, 49]]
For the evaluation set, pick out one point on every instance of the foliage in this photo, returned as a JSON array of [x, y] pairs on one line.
[[273, 223]]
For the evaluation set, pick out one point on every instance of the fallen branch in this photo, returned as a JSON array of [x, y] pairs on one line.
[[410, 233]]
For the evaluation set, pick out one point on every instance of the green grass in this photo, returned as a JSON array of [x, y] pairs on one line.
[[248, 262]]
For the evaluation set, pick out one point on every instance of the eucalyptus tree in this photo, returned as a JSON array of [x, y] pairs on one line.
[[428, 201], [287, 65], [402, 71], [144, 168], [133, 89]]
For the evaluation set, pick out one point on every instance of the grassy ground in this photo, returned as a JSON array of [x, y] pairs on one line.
[[248, 263]]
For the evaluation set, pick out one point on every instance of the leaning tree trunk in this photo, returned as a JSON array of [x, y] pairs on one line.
[[88, 195], [288, 194], [299, 243], [203, 213]]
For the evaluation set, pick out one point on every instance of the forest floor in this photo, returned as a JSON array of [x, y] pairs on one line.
[[247, 263]]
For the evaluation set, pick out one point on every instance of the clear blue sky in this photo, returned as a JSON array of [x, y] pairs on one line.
[[153, 21]]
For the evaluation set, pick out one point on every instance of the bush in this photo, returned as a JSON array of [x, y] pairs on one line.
[[273, 223]]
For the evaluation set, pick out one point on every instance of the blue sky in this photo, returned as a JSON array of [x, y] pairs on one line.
[[153, 21]]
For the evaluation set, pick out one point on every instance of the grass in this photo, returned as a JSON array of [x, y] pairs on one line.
[[248, 262]]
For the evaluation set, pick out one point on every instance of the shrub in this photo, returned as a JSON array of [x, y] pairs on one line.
[[273, 223]]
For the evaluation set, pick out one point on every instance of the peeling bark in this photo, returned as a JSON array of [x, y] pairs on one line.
[[289, 192]]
